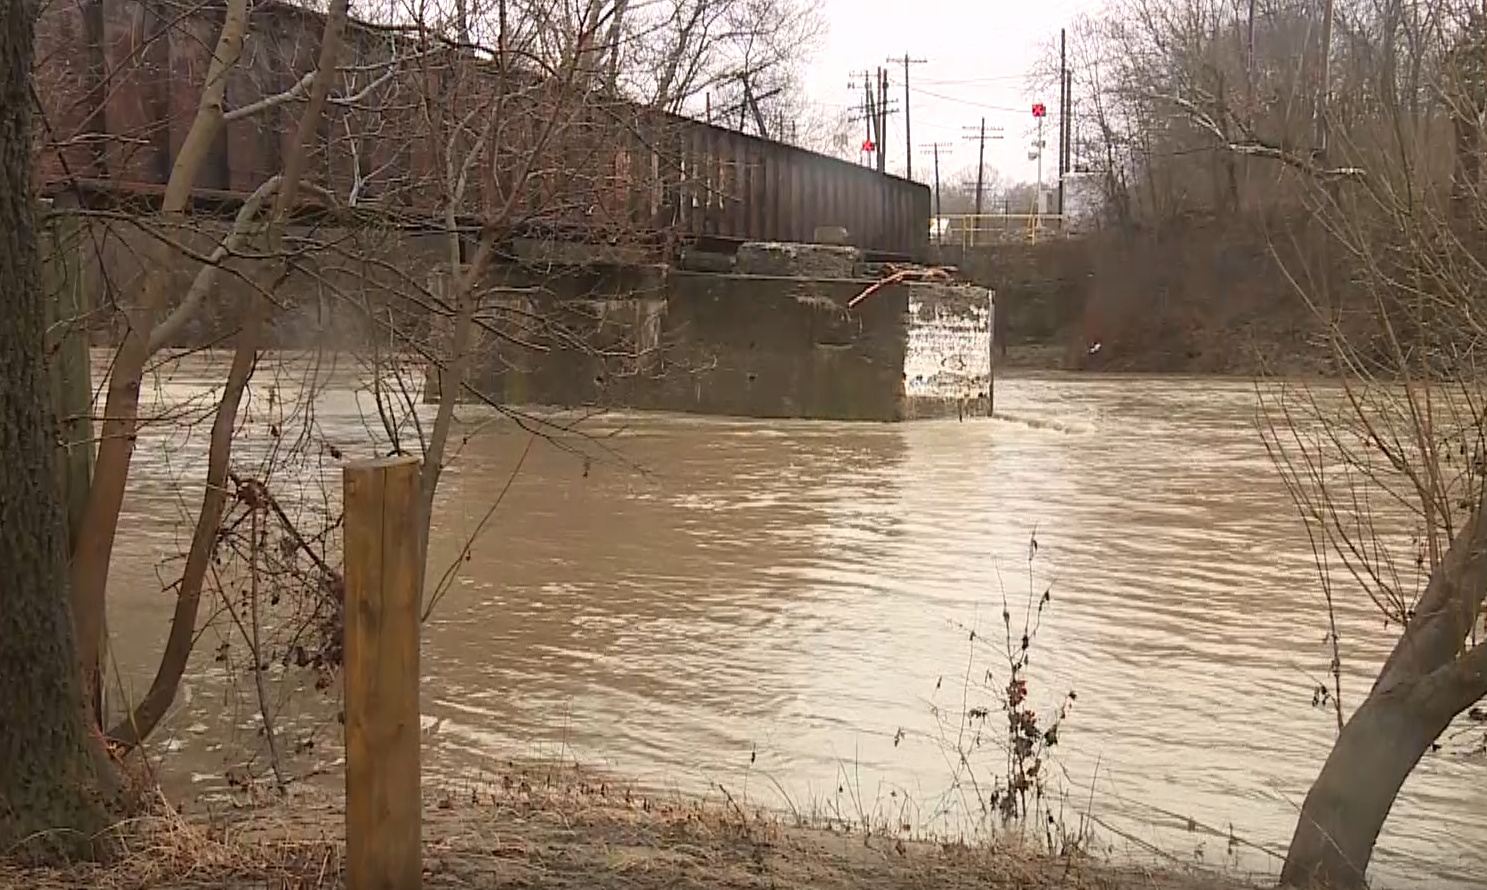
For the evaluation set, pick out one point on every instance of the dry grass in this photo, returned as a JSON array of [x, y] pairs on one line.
[[541, 828]]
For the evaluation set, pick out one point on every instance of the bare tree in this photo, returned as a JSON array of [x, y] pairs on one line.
[[90, 564], [285, 189], [1349, 136], [1392, 482], [681, 51], [422, 147]]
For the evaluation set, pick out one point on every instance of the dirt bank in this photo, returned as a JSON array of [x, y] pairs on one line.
[[539, 829], [1206, 296]]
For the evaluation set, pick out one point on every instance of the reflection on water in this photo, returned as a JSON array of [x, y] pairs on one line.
[[773, 605]]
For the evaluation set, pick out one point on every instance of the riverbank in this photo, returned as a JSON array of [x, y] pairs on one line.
[[544, 828], [1210, 295], [1228, 362]]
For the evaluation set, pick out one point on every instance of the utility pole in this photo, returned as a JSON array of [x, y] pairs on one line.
[[1324, 85], [882, 120], [1069, 127], [980, 136], [935, 147], [462, 21], [980, 165], [864, 111], [939, 236], [1040, 111], [874, 112], [1038, 203], [906, 61], [1063, 113]]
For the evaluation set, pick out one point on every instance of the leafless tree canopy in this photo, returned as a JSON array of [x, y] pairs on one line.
[[1176, 101], [1348, 138], [234, 174]]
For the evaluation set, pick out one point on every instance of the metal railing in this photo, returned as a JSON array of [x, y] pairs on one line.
[[975, 230]]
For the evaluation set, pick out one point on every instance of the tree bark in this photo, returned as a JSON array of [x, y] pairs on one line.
[[49, 807], [1432, 675], [1348, 804]]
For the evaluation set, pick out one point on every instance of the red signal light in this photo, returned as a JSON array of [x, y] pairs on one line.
[[867, 145], [1039, 109]]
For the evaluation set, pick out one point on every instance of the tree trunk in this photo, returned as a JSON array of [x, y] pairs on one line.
[[90, 562], [1349, 802], [182, 637], [47, 777], [1433, 674], [613, 45]]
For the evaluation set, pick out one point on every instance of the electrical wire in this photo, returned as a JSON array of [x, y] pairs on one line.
[[971, 81], [967, 102]]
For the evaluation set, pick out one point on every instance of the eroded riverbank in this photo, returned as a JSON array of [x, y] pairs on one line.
[[557, 829]]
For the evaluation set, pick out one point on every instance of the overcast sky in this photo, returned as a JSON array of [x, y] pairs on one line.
[[978, 54]]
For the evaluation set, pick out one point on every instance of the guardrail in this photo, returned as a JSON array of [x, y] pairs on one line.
[[975, 230]]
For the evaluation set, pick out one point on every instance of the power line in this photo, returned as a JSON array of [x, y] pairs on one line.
[[973, 81], [968, 102]]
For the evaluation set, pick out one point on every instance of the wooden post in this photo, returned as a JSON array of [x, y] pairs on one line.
[[383, 789], [68, 303]]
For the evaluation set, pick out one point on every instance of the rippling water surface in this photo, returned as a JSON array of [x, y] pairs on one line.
[[784, 608]]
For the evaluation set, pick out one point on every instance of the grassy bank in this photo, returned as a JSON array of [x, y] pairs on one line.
[[548, 828]]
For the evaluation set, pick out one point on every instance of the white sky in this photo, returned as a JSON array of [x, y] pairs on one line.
[[978, 54]]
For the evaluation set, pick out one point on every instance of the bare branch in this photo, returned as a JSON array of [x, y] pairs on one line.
[[206, 276]]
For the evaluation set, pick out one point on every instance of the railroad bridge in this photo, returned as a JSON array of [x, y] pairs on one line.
[[594, 201], [120, 81]]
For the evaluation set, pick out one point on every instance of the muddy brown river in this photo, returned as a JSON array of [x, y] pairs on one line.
[[784, 609]]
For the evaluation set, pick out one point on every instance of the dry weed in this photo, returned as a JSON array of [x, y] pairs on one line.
[[565, 829]]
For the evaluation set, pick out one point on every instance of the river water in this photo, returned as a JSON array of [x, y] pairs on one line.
[[785, 609]]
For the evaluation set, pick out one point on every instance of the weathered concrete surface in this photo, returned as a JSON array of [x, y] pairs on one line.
[[729, 344], [596, 330], [948, 359], [797, 260], [1043, 289], [663, 339], [831, 235], [704, 261]]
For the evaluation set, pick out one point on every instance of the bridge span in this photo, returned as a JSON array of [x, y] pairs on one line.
[[120, 81]]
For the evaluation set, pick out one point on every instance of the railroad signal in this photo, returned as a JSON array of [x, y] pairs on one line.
[[867, 145], [1039, 109]]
